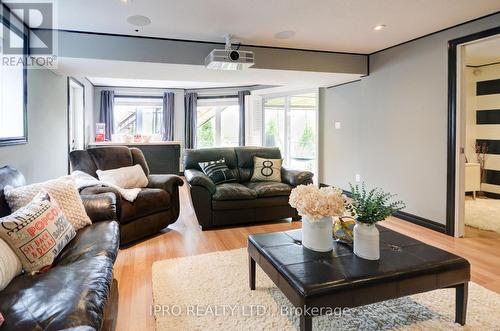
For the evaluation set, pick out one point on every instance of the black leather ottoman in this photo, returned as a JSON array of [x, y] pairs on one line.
[[340, 279]]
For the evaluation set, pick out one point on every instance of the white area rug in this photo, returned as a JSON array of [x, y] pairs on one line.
[[483, 214], [210, 292]]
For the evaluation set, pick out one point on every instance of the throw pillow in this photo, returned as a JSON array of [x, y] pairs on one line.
[[218, 171], [10, 265], [64, 192], [37, 232], [266, 170], [125, 177]]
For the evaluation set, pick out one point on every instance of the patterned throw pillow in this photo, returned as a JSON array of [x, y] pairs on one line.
[[64, 192], [266, 170], [218, 171], [37, 232]]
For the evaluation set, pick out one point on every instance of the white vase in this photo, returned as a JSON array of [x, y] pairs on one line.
[[317, 234], [366, 241]]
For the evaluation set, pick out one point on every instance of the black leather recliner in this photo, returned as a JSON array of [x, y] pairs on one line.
[[76, 291], [242, 201], [156, 206]]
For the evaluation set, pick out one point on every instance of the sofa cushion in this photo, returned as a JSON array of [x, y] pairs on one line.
[[233, 191], [218, 171], [126, 177], [276, 201], [98, 239], [266, 170], [149, 201], [106, 158], [192, 157], [73, 294], [64, 191], [245, 155], [269, 189], [37, 232]]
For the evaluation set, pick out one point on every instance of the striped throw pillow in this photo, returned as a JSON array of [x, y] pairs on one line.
[[218, 171]]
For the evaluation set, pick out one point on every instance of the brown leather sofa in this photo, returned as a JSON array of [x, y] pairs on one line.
[[75, 292], [242, 201], [155, 207]]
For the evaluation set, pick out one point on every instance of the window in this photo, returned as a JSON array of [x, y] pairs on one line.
[[13, 86], [217, 122], [290, 123], [138, 115]]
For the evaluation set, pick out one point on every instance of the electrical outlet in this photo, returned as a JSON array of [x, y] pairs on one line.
[[338, 125], [357, 178]]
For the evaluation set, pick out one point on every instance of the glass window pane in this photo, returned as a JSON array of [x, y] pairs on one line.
[[205, 133], [138, 115], [274, 123], [230, 129], [303, 131], [217, 122], [11, 93]]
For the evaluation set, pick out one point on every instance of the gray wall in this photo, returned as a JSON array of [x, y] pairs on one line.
[[45, 155], [124, 48], [401, 134]]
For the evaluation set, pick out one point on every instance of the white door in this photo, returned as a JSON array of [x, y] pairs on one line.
[[76, 118]]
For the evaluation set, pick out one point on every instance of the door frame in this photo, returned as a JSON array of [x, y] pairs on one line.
[[77, 82], [454, 123]]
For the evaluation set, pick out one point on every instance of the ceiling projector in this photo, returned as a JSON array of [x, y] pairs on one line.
[[229, 59]]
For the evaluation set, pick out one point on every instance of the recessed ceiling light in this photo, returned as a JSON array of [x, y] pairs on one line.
[[139, 20], [284, 34], [379, 27]]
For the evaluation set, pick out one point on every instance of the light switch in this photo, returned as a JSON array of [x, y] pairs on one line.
[[338, 125], [358, 178]]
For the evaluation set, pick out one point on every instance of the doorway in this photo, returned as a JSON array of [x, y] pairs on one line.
[[474, 135], [290, 122], [76, 116]]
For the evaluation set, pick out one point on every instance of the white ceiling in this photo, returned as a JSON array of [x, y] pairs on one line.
[[483, 51], [143, 74], [333, 25]]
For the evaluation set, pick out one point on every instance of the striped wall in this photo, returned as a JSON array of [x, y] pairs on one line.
[[487, 126]]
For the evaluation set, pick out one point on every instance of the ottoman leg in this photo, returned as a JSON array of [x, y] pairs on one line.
[[461, 294]]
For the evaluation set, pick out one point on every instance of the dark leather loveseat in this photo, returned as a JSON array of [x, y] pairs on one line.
[[155, 207], [242, 201], [75, 292]]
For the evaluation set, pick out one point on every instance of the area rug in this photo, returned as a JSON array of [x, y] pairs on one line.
[[483, 214], [210, 292]]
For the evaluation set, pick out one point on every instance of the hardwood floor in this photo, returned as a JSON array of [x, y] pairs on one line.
[[184, 238]]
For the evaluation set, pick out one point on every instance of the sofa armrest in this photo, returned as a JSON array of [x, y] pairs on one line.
[[296, 177], [97, 190], [198, 178], [100, 207], [168, 183]]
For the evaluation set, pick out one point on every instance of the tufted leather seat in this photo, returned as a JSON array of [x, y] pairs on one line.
[[155, 207], [233, 191], [269, 189], [74, 293], [242, 201]]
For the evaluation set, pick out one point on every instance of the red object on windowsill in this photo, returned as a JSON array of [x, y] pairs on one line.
[[99, 137], [1, 319]]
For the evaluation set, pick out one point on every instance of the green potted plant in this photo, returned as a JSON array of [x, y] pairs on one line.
[[368, 208]]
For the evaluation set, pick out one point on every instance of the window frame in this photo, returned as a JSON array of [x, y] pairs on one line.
[[6, 23]]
